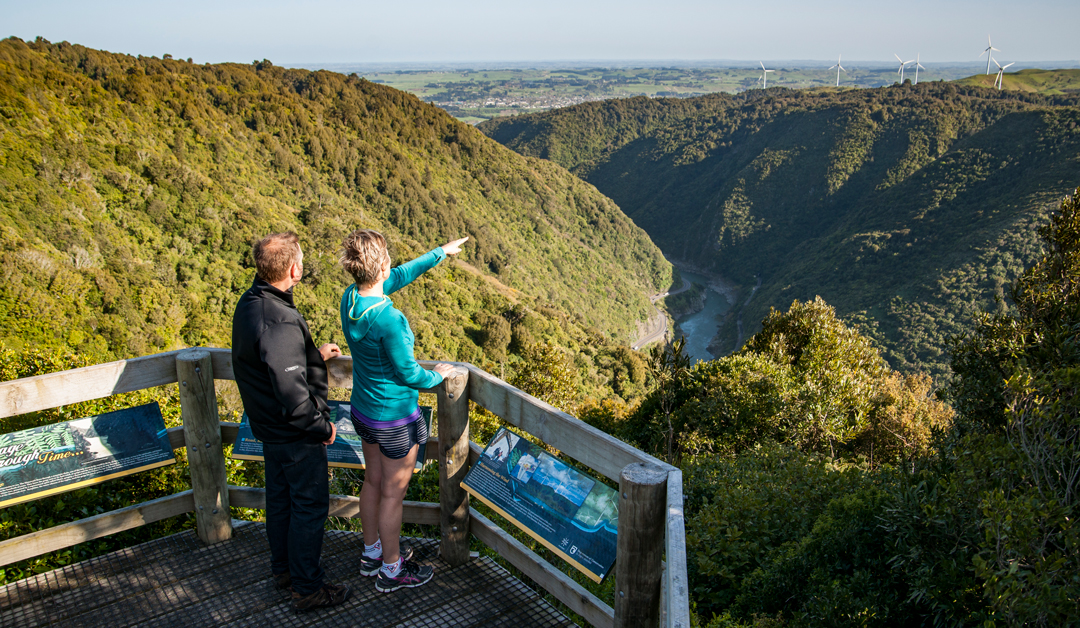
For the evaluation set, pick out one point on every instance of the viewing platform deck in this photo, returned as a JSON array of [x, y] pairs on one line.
[[180, 581], [218, 574]]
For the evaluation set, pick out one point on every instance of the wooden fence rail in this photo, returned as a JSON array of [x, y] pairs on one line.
[[652, 497]]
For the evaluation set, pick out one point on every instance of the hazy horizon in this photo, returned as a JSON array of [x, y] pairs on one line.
[[656, 63], [322, 32]]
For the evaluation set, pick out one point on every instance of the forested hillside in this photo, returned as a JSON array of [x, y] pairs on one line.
[[908, 208], [132, 188]]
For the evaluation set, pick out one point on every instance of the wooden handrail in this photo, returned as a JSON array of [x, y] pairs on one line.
[[571, 436], [594, 448]]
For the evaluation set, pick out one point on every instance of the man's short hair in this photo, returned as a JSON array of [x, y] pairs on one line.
[[275, 254], [364, 252]]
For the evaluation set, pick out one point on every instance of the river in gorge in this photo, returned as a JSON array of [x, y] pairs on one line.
[[700, 327]]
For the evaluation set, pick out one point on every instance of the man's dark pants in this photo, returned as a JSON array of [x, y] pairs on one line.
[[297, 503]]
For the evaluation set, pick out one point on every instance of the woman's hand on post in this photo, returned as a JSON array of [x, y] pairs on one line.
[[453, 248], [443, 369]]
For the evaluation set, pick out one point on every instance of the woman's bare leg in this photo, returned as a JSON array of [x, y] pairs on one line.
[[370, 493], [395, 481]]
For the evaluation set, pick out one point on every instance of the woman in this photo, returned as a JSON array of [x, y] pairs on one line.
[[386, 378]]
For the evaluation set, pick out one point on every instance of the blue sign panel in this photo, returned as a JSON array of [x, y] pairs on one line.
[[574, 515], [61, 457]]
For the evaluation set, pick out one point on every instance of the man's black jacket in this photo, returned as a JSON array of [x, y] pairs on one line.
[[278, 368]]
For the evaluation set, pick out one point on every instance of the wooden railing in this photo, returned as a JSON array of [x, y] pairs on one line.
[[649, 590]]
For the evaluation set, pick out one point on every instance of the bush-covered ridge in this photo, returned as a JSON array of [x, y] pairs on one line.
[[910, 208], [131, 190]]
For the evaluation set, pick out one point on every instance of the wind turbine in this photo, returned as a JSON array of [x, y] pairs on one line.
[[903, 64], [764, 76], [1001, 74], [917, 66], [838, 69], [989, 49]]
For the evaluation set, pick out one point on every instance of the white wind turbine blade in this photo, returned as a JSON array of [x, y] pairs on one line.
[[839, 69], [1001, 75], [989, 49]]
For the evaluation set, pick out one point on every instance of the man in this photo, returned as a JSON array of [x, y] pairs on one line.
[[283, 384]]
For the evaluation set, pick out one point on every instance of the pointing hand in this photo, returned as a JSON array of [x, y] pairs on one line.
[[453, 248]]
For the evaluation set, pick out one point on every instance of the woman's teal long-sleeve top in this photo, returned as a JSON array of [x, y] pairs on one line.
[[386, 376]]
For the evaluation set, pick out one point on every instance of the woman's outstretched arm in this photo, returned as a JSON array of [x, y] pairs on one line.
[[406, 273]]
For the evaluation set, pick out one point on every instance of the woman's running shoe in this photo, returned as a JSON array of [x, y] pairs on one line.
[[410, 575]]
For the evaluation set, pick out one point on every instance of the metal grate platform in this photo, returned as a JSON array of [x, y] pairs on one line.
[[178, 581]]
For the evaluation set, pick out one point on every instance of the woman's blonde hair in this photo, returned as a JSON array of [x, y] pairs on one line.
[[364, 252]]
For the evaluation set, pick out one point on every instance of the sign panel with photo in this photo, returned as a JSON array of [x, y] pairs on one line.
[[574, 515], [61, 457], [347, 451]]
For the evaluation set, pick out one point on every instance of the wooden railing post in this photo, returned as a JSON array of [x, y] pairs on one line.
[[642, 506], [206, 459], [453, 464]]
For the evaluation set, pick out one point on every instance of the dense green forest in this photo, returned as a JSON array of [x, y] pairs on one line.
[[908, 208], [132, 189]]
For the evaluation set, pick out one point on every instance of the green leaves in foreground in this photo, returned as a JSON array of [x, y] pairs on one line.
[[977, 528]]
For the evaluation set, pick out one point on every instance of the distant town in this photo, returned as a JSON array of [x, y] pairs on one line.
[[475, 94]]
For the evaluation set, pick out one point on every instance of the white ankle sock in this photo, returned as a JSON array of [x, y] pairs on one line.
[[392, 569], [373, 551]]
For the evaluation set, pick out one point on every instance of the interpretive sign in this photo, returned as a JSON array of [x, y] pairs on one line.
[[574, 515], [347, 451], [61, 457]]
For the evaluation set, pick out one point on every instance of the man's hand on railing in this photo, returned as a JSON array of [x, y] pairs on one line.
[[443, 369], [329, 350]]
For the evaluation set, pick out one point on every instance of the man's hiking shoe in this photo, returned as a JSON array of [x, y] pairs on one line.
[[283, 580], [371, 566], [327, 595], [411, 575]]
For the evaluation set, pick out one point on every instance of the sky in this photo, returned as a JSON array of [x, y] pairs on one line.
[[361, 31]]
